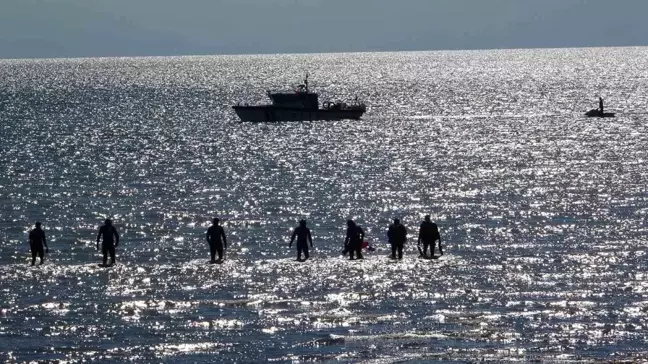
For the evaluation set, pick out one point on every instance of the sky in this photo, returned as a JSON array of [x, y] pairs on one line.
[[90, 28]]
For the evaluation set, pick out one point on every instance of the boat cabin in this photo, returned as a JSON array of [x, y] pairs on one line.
[[298, 99]]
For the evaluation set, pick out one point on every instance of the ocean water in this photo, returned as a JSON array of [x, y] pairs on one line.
[[542, 212]]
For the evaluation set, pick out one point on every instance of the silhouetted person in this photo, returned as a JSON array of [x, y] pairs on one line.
[[397, 236], [38, 244], [109, 241], [353, 241], [303, 235], [601, 105], [217, 240], [428, 235]]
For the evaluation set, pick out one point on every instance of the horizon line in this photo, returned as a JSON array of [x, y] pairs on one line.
[[311, 53]]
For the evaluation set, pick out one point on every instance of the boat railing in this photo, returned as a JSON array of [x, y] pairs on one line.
[[339, 105]]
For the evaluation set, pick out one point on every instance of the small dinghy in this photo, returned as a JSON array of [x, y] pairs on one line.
[[596, 113], [599, 113]]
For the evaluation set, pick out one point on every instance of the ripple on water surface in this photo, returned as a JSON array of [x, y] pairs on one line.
[[542, 212]]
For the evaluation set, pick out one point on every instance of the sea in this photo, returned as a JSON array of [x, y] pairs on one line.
[[542, 211]]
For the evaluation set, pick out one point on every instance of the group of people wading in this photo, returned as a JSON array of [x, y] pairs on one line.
[[108, 236], [428, 236], [354, 241]]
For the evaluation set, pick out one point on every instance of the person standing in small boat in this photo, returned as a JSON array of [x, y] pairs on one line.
[[601, 105], [38, 244], [303, 235], [216, 244]]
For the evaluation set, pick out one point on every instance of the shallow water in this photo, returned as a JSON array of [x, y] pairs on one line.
[[542, 211]]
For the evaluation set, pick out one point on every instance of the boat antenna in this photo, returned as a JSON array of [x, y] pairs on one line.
[[306, 82]]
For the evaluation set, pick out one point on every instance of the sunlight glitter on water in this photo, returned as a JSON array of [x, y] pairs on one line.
[[542, 211]]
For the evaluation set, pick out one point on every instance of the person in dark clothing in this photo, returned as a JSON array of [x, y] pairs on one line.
[[601, 105], [109, 241], [397, 236], [38, 244], [216, 244], [353, 241], [428, 235], [303, 235]]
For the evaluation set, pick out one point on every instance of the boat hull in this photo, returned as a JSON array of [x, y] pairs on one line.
[[596, 113], [259, 114]]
